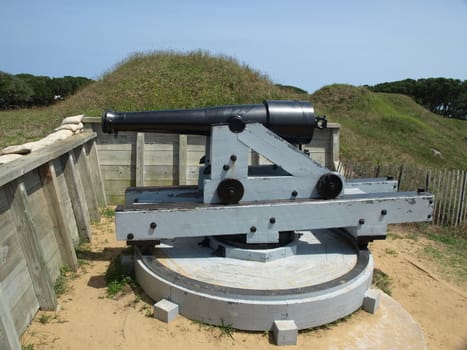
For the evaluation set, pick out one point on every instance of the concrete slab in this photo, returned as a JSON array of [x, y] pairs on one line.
[[390, 327]]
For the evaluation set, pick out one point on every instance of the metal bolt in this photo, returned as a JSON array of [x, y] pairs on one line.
[[130, 236], [253, 229], [153, 225], [226, 167], [361, 221], [384, 212], [294, 193], [233, 157], [272, 220]]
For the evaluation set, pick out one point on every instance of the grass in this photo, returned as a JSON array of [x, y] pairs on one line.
[[391, 128], [376, 127], [445, 248], [117, 278], [448, 250], [61, 283], [382, 281], [154, 80], [108, 212], [44, 319], [390, 251], [226, 330]]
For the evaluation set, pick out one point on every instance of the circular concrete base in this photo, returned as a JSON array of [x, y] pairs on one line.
[[325, 280]]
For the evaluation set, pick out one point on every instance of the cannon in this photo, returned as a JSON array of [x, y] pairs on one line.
[[292, 120], [248, 244]]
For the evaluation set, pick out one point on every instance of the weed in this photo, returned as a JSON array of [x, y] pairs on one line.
[[108, 212], [44, 319], [117, 277], [27, 347], [61, 284], [83, 262], [390, 251], [114, 287], [432, 252], [394, 236], [226, 330], [382, 281], [412, 236]]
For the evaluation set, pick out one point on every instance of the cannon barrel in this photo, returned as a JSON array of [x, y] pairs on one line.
[[292, 120]]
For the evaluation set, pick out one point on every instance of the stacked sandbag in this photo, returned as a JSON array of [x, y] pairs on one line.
[[70, 126]]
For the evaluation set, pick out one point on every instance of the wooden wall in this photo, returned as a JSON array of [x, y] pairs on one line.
[[47, 201], [151, 159]]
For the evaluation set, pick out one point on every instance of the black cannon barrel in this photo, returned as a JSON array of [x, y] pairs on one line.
[[292, 120]]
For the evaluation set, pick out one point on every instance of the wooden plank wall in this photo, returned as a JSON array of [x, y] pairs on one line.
[[151, 159], [47, 201]]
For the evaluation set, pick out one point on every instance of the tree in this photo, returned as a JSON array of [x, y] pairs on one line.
[[440, 95], [14, 92]]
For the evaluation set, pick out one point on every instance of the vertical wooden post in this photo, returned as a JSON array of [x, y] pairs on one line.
[[55, 204], [96, 174], [75, 189], [9, 339], [27, 237], [399, 180], [463, 199], [88, 185], [335, 146], [140, 159], [182, 159]]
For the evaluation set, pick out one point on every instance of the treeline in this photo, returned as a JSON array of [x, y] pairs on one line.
[[27, 90], [447, 97]]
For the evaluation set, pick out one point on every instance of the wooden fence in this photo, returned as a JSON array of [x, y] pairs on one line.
[[448, 186], [47, 202], [152, 159]]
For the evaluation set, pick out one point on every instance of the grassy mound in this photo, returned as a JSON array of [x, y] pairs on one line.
[[376, 127], [160, 80], [385, 128], [167, 80]]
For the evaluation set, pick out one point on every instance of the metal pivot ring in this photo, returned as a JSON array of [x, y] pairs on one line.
[[329, 186], [230, 191]]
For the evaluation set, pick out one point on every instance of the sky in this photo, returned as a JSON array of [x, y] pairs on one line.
[[308, 44]]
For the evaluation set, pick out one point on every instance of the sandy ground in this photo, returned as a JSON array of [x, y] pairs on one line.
[[87, 319]]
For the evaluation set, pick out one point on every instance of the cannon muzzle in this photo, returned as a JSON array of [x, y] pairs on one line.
[[292, 120]]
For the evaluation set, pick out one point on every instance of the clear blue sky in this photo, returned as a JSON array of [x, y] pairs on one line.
[[307, 44]]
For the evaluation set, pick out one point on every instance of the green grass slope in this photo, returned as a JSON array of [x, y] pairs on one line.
[[376, 127], [160, 80], [391, 128]]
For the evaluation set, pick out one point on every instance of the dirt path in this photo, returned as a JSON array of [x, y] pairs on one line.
[[89, 320]]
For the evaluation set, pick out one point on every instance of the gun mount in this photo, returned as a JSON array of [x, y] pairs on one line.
[[218, 242]]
